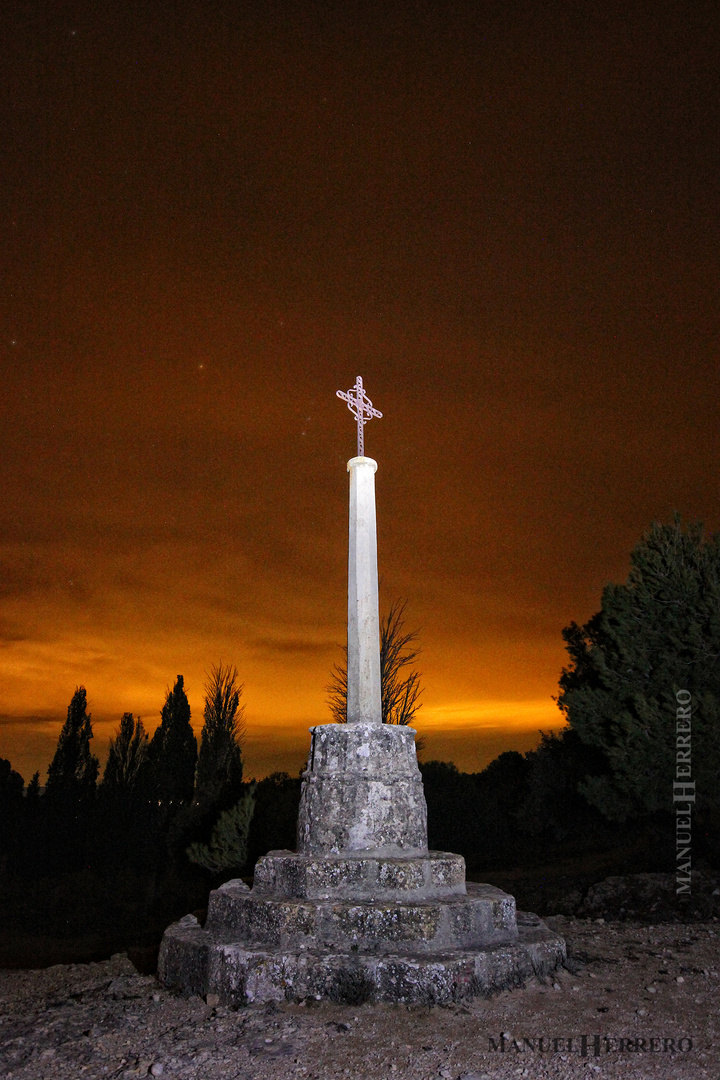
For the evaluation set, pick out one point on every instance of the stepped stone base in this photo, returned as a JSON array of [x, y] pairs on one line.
[[265, 949], [363, 911], [484, 916], [362, 875]]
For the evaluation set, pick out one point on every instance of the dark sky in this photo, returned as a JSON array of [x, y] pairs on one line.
[[504, 216]]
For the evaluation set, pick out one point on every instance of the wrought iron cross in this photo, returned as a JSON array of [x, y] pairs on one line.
[[361, 407]]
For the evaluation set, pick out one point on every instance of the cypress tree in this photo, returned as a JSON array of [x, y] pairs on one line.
[[11, 805], [128, 753], [63, 842], [33, 789], [73, 770], [173, 750], [220, 766]]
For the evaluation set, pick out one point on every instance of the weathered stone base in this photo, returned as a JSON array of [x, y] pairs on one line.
[[194, 960], [360, 875], [362, 791], [484, 916], [363, 911]]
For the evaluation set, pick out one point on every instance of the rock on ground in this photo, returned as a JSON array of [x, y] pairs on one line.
[[646, 998]]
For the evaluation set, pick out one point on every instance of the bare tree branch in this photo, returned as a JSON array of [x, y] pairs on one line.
[[400, 687]]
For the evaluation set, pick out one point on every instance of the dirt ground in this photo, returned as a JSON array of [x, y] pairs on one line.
[[635, 1001]]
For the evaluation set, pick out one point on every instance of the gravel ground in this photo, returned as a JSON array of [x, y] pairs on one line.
[[646, 999]]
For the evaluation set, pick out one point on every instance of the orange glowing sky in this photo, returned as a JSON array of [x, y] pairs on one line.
[[215, 216]]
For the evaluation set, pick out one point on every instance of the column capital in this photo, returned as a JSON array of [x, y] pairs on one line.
[[355, 462]]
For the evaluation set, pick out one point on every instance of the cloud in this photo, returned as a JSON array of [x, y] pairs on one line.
[[285, 646], [33, 720], [9, 635], [493, 715]]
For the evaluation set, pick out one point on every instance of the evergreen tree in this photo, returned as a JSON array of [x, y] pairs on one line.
[[173, 750], [11, 784], [33, 789], [552, 806], [128, 754], [452, 808], [500, 789], [228, 846], [400, 687], [31, 855], [73, 770], [274, 823], [220, 766], [654, 636], [11, 805]]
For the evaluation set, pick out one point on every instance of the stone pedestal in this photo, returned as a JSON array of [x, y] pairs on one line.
[[363, 911], [362, 791]]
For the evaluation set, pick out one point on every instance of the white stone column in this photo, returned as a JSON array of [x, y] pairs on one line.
[[364, 702]]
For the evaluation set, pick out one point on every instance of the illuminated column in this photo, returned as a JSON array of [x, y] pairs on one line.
[[364, 702]]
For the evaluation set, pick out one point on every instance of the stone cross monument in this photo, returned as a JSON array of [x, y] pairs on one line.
[[362, 911], [364, 698], [377, 798]]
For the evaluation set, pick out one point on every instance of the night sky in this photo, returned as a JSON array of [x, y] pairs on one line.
[[503, 215]]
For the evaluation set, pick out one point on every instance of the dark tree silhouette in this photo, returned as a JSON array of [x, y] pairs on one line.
[[207, 823], [73, 770], [449, 796], [400, 683], [11, 783], [228, 845], [33, 789], [128, 754], [654, 636], [11, 807], [553, 807], [173, 750], [68, 806], [220, 766], [274, 823]]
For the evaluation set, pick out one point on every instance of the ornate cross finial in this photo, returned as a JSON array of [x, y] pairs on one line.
[[361, 407]]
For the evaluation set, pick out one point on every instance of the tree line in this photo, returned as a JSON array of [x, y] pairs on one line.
[[138, 845], [169, 819], [167, 767]]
